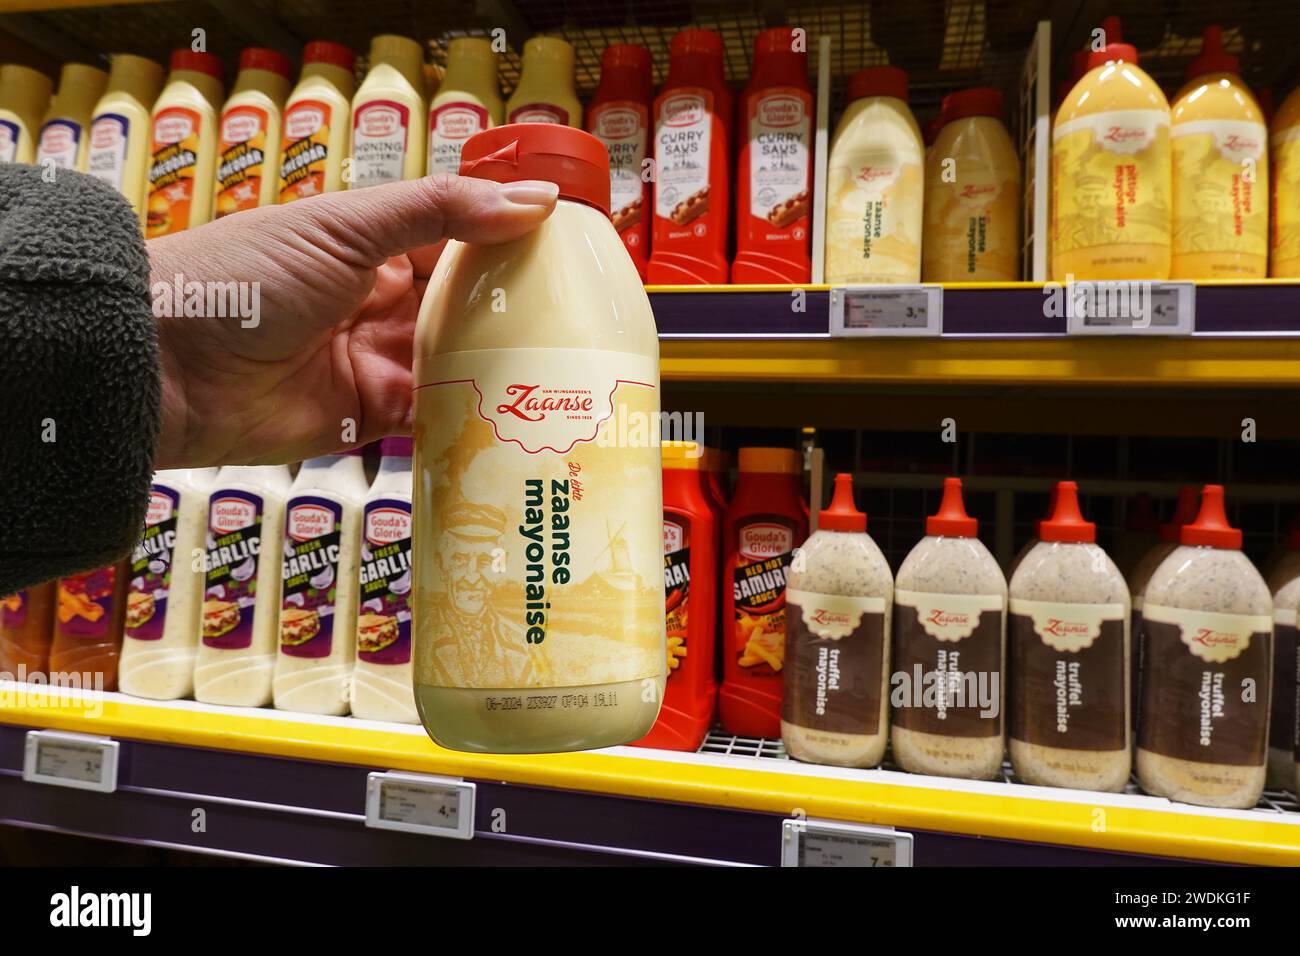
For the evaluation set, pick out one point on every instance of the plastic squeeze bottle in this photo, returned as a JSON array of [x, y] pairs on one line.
[[972, 194], [619, 116], [382, 684], [184, 145], [1068, 658], [1284, 245], [26, 629], [164, 600], [24, 96], [467, 102], [774, 175], [241, 607], [692, 154], [65, 136], [545, 91], [317, 123], [248, 154], [1111, 187], [388, 115], [1207, 624], [950, 602], [539, 587], [837, 633], [1284, 582], [1219, 139], [118, 152], [875, 184], [88, 628]]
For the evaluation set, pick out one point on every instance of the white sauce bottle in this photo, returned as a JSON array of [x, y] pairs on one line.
[[468, 102], [165, 592], [545, 91], [388, 115], [382, 682], [318, 591], [241, 607], [65, 137]]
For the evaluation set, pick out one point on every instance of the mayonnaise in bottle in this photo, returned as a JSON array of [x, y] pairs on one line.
[[248, 153], [241, 607], [1284, 138], [24, 95], [317, 123], [382, 681], [64, 140], [165, 591], [545, 91], [119, 130], [318, 590], [184, 145], [388, 113], [467, 102]]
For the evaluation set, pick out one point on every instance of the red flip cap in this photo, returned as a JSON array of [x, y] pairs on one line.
[[951, 520], [1066, 522], [1211, 528], [1213, 58], [977, 101], [335, 54], [575, 161], [1185, 513], [878, 81], [843, 514], [196, 62], [260, 58]]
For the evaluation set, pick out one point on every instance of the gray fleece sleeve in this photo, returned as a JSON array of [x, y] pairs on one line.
[[80, 389]]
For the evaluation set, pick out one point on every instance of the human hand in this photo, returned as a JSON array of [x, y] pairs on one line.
[[340, 279]]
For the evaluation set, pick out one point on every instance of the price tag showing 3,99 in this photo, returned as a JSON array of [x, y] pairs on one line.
[[817, 843], [81, 761], [887, 310], [420, 803]]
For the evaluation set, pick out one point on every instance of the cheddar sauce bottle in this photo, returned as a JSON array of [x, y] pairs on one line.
[[251, 121], [184, 145], [317, 123]]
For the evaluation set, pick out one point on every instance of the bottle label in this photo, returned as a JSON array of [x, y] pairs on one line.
[[1285, 242], [384, 624], [449, 126], [13, 610], [540, 113], [780, 140], [835, 645], [106, 157], [313, 529], [241, 159], [1068, 661], [765, 547], [1282, 720], [306, 150], [1220, 169], [59, 141], [544, 558], [1197, 664], [683, 135], [9, 133], [874, 213], [379, 135], [230, 587], [677, 588], [622, 127], [175, 157], [948, 674], [86, 603], [972, 224], [1111, 180], [151, 566]]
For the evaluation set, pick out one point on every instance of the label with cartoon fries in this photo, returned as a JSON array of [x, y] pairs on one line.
[[86, 603], [758, 631], [677, 589]]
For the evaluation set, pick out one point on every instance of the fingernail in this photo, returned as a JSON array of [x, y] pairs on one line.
[[531, 192]]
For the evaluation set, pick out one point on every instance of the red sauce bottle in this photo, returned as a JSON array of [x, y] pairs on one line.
[[764, 522], [88, 622], [26, 629], [774, 176], [692, 162]]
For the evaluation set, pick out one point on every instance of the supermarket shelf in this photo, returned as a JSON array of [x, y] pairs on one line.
[[289, 787]]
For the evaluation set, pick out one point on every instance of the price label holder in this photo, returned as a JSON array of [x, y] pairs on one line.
[[1130, 308], [892, 310], [421, 803], [819, 843], [81, 761]]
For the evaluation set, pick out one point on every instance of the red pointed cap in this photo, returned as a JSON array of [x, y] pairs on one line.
[[843, 514], [1114, 49], [951, 520], [1051, 509], [1211, 527], [575, 161], [1213, 58], [1066, 522], [976, 101], [1188, 501], [878, 81], [193, 60]]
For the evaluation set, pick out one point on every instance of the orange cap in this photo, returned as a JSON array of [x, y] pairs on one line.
[[682, 455], [1051, 510], [1211, 528], [1066, 522], [951, 520], [843, 514], [778, 461], [575, 161], [1213, 58], [196, 61], [1185, 513], [260, 58]]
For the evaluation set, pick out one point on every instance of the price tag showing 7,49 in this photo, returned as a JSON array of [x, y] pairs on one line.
[[420, 803], [886, 310], [817, 843], [82, 761]]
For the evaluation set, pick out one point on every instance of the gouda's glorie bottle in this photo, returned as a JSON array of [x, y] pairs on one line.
[[539, 588], [118, 152], [545, 91], [24, 95], [248, 157], [1285, 239], [317, 123], [388, 112], [1111, 202], [1220, 174], [184, 145], [65, 133], [467, 102]]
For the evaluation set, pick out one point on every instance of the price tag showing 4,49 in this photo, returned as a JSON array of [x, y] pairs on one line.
[[817, 843], [886, 310], [420, 803], [82, 761]]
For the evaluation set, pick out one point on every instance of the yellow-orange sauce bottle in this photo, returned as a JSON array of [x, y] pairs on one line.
[[184, 145], [248, 154], [317, 123], [1285, 238]]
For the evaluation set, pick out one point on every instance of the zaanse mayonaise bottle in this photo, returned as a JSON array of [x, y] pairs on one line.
[[539, 594]]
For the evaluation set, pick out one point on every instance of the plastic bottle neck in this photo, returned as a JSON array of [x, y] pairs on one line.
[[342, 80], [546, 73], [390, 70], [471, 74], [209, 87], [695, 69], [394, 465], [778, 69], [625, 83], [80, 88], [263, 81]]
